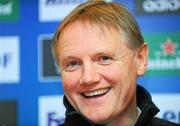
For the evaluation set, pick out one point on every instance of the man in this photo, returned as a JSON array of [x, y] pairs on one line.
[[101, 52]]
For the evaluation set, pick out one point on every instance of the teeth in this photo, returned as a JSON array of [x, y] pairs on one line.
[[97, 92]]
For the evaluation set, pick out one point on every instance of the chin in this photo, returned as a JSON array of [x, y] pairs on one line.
[[98, 118]]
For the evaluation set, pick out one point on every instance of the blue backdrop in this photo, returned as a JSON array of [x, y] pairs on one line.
[[33, 27]]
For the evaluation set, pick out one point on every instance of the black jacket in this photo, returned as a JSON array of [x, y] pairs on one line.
[[144, 102]]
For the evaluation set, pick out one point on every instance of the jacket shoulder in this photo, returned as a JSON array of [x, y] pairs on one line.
[[161, 122]]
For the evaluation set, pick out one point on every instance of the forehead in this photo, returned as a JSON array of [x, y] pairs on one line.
[[86, 27], [89, 36], [79, 29]]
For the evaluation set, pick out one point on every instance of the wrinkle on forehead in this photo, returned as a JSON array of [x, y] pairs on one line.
[[86, 28], [100, 29]]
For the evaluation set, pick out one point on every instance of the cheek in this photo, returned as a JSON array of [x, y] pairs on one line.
[[70, 81], [120, 76], [112, 74]]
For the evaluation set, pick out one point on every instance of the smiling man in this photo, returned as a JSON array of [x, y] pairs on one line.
[[101, 52]]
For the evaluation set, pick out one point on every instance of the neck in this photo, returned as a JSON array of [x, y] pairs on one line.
[[128, 117]]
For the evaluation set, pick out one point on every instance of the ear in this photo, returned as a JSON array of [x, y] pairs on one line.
[[142, 59]]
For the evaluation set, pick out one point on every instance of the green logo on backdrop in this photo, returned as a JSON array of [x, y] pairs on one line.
[[164, 54], [9, 10]]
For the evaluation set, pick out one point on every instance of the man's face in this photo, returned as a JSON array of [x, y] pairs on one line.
[[98, 71]]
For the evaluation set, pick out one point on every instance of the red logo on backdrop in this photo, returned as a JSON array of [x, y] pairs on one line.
[[169, 47]]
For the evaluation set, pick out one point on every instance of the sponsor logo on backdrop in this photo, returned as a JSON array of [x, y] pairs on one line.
[[164, 54], [8, 113], [56, 10], [9, 59], [149, 7], [9, 10], [51, 110], [169, 106], [48, 70]]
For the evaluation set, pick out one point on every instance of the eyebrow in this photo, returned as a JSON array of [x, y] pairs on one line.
[[68, 57], [95, 54], [65, 58]]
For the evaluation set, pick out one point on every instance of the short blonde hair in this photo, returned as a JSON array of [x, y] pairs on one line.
[[106, 14]]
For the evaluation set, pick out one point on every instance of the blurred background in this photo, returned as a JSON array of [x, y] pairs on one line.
[[30, 87]]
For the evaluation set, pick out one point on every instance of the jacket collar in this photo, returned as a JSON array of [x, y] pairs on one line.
[[144, 102], [146, 105]]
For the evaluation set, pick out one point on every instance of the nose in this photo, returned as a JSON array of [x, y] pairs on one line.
[[90, 74]]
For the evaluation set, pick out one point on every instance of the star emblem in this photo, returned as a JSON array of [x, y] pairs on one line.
[[169, 47]]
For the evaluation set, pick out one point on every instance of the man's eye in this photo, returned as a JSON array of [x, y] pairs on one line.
[[72, 65], [104, 60]]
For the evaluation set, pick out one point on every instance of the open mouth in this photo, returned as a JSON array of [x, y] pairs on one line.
[[96, 93]]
